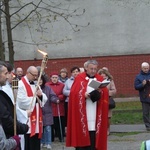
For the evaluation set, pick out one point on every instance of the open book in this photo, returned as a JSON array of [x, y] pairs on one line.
[[97, 84]]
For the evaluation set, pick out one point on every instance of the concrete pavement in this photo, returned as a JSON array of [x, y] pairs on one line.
[[116, 142], [127, 128]]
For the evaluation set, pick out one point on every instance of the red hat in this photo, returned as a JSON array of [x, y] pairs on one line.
[[53, 73]]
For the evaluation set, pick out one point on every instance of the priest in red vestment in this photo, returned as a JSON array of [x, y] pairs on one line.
[[87, 112]]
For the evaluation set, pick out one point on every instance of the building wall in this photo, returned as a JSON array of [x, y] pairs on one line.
[[117, 27], [123, 68]]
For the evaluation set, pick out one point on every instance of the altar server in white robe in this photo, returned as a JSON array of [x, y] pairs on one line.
[[31, 98]]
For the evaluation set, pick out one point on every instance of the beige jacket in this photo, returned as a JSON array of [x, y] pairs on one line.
[[111, 88]]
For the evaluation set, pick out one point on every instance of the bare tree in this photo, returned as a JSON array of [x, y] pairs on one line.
[[36, 13], [2, 56], [9, 31]]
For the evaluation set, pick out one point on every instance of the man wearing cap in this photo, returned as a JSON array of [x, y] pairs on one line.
[[142, 84], [87, 112]]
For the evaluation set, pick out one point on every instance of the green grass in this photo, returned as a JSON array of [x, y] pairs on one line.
[[125, 133], [134, 105], [127, 113]]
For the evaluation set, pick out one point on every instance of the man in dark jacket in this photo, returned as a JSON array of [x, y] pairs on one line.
[[7, 111], [142, 84], [8, 116]]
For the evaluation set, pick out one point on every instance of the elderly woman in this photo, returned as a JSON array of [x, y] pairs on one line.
[[47, 113], [111, 88], [58, 129]]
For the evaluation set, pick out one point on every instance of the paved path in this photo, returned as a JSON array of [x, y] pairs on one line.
[[127, 128], [115, 142]]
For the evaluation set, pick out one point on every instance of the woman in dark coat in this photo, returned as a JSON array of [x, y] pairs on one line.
[[47, 113]]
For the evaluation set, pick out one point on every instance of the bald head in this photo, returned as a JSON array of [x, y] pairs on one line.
[[19, 69], [32, 73], [19, 72], [32, 68]]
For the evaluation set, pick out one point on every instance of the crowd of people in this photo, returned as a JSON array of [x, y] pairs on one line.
[[59, 105]]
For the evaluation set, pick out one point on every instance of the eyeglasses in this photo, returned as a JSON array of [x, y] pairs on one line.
[[34, 75]]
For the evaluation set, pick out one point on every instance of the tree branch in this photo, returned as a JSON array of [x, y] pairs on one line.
[[36, 6], [31, 3]]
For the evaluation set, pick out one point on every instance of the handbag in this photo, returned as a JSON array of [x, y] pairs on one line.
[[112, 103]]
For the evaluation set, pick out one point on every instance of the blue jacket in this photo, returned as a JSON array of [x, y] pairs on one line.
[[140, 87]]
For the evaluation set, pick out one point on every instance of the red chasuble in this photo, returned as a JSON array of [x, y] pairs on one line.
[[77, 127], [33, 118]]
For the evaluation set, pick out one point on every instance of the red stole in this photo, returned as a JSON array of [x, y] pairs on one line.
[[33, 117], [77, 128]]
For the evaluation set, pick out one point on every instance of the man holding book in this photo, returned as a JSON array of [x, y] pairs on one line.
[[87, 111]]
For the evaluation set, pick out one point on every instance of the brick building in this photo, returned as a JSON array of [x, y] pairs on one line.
[[123, 68]]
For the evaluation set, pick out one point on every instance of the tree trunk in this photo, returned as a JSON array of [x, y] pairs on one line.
[[2, 50], [9, 32]]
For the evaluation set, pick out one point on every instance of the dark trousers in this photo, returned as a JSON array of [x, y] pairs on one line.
[[146, 114], [56, 131], [92, 139], [32, 143], [66, 113]]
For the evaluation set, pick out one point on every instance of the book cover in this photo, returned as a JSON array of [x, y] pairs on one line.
[[97, 84]]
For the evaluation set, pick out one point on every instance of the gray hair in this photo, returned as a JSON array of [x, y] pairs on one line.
[[94, 62]]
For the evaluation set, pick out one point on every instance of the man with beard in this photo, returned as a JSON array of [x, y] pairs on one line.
[[6, 115]]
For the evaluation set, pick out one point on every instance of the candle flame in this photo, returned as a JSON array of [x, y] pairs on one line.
[[42, 52], [13, 75]]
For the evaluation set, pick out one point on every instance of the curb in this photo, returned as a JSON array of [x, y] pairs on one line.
[[127, 99], [128, 128]]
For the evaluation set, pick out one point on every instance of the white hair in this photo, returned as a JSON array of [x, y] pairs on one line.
[[144, 64]]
